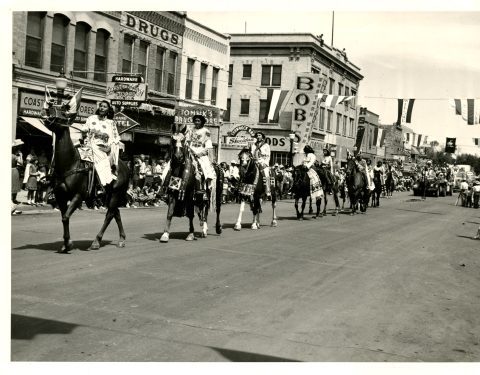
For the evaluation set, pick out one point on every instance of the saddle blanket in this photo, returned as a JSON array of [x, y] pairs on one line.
[[315, 184]]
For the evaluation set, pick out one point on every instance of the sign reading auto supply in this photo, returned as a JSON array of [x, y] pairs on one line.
[[127, 91], [184, 115]]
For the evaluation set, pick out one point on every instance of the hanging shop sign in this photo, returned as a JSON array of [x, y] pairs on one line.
[[127, 91], [184, 115], [124, 122], [31, 105]]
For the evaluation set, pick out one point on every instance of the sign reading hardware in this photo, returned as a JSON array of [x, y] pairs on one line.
[[128, 91]]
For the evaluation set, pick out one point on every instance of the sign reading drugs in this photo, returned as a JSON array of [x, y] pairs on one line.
[[128, 91], [305, 106]]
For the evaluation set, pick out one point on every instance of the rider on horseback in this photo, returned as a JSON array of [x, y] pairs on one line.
[[100, 133], [200, 144], [261, 153], [308, 162], [327, 165]]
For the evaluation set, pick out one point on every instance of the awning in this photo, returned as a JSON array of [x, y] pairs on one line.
[[414, 151], [36, 123]]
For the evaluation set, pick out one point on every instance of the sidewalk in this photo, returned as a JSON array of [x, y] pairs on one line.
[[46, 208]]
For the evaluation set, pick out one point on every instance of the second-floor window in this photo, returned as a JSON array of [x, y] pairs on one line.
[[352, 127], [82, 31], [214, 86], [159, 68], [59, 42], [33, 48], [322, 118], [203, 82], [340, 89], [352, 102], [226, 114], [263, 112], [247, 71], [329, 120], [127, 54], [271, 75], [189, 84], [332, 86], [171, 72], [344, 130], [142, 59], [101, 55], [244, 107], [339, 120], [230, 74]]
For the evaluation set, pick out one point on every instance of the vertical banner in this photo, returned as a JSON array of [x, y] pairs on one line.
[[305, 106], [405, 108], [450, 145], [358, 141]]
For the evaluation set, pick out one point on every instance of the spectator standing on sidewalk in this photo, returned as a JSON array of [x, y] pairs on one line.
[[142, 172], [41, 185], [17, 161], [32, 180]]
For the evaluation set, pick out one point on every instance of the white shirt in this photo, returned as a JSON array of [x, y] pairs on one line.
[[309, 160]]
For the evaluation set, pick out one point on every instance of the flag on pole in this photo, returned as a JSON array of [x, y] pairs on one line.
[[405, 107], [358, 141], [275, 99], [425, 140], [469, 109], [48, 98], [74, 103], [375, 137], [334, 100], [450, 145]]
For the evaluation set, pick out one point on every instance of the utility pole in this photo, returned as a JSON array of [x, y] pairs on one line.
[[333, 25]]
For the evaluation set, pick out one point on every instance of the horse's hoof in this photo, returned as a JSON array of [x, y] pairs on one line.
[[314, 217], [351, 214], [274, 223], [165, 237], [204, 235], [255, 226], [237, 227], [66, 249], [219, 229], [94, 246], [190, 237], [121, 243], [300, 218]]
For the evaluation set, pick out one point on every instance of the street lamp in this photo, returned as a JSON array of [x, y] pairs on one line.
[[61, 83], [291, 136]]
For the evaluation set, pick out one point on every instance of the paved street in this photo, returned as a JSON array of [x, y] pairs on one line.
[[401, 283]]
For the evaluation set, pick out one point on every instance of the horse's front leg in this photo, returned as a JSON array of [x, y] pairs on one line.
[[325, 200], [337, 202], [310, 208], [238, 224], [67, 212], [304, 204], [296, 207], [274, 211], [191, 229], [203, 214], [218, 209], [166, 232]]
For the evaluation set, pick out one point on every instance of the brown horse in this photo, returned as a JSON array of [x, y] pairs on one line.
[[71, 176], [185, 192], [357, 187]]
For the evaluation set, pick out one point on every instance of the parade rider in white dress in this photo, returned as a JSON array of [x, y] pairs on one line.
[[316, 190], [200, 145], [261, 153], [100, 132]]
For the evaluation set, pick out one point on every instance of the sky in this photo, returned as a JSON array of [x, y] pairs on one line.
[[423, 55]]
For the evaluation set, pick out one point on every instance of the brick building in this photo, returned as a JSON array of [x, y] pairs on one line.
[[262, 61], [370, 147]]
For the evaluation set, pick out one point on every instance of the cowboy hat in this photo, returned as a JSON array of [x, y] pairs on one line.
[[17, 142]]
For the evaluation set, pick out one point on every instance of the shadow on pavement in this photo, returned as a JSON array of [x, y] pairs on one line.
[[467, 237], [81, 245], [421, 212], [27, 327], [239, 356]]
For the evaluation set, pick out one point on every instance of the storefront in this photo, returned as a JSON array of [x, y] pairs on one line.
[[30, 128], [240, 136]]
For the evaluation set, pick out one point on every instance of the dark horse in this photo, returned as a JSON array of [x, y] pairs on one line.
[[357, 187], [389, 183], [301, 190], [332, 187], [72, 185], [252, 189], [184, 190], [377, 180]]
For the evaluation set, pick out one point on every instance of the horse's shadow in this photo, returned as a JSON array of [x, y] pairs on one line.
[[81, 245]]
